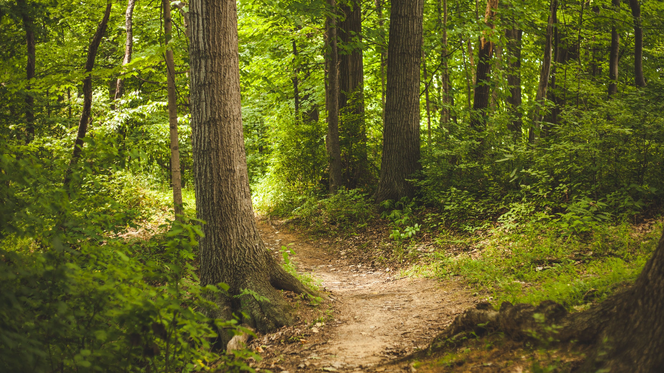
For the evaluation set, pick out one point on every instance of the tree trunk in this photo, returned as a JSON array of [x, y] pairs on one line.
[[296, 84], [176, 179], [351, 97], [232, 251], [28, 25], [545, 71], [401, 134], [483, 75], [626, 330], [129, 45], [383, 57], [513, 36], [638, 44], [426, 96], [614, 54], [445, 75], [87, 93], [332, 141]]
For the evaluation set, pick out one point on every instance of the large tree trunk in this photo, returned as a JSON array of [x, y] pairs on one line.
[[28, 25], [332, 100], [232, 250], [626, 330], [351, 97], [129, 45], [513, 57], [176, 179], [87, 93], [638, 44], [614, 54], [545, 72], [401, 134], [483, 74]]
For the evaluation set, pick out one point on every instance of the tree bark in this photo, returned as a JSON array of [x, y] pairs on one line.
[[383, 57], [296, 83], [87, 93], [445, 74], [426, 96], [129, 45], [483, 74], [176, 178], [639, 80], [626, 330], [545, 72], [351, 97], [401, 134], [513, 36], [332, 140], [232, 251], [614, 54], [28, 25]]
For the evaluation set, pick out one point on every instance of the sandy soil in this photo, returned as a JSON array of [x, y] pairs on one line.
[[377, 315]]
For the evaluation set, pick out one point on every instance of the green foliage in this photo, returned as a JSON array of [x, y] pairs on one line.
[[345, 211]]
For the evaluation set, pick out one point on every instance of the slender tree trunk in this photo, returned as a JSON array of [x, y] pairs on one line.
[[614, 55], [635, 6], [445, 74], [296, 83], [232, 251], [468, 82], [28, 25], [426, 96], [176, 178], [87, 93], [383, 57], [513, 36], [401, 134], [351, 97], [483, 86], [332, 141], [545, 71], [129, 45]]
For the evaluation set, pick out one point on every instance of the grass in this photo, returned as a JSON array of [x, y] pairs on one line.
[[538, 262]]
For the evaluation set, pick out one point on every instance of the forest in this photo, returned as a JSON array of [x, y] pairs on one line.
[[331, 185]]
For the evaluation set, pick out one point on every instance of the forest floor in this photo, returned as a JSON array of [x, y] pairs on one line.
[[371, 316]]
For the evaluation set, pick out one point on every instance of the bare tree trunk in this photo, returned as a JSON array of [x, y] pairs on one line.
[[87, 93], [332, 141], [638, 43], [232, 251], [401, 134], [383, 57], [483, 86], [513, 57], [176, 178], [614, 55], [426, 96], [129, 45], [296, 84], [28, 25], [351, 97], [445, 75], [544, 72]]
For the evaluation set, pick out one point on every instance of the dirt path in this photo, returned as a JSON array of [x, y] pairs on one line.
[[378, 316]]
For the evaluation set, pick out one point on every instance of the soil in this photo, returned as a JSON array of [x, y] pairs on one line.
[[370, 317]]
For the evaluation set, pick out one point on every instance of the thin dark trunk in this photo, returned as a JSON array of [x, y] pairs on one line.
[[483, 85], [296, 83], [426, 96], [445, 74], [467, 74], [639, 79], [129, 45], [614, 55], [545, 72], [176, 178], [351, 97], [87, 94], [28, 25], [231, 251], [401, 134], [332, 141], [513, 57], [383, 57]]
